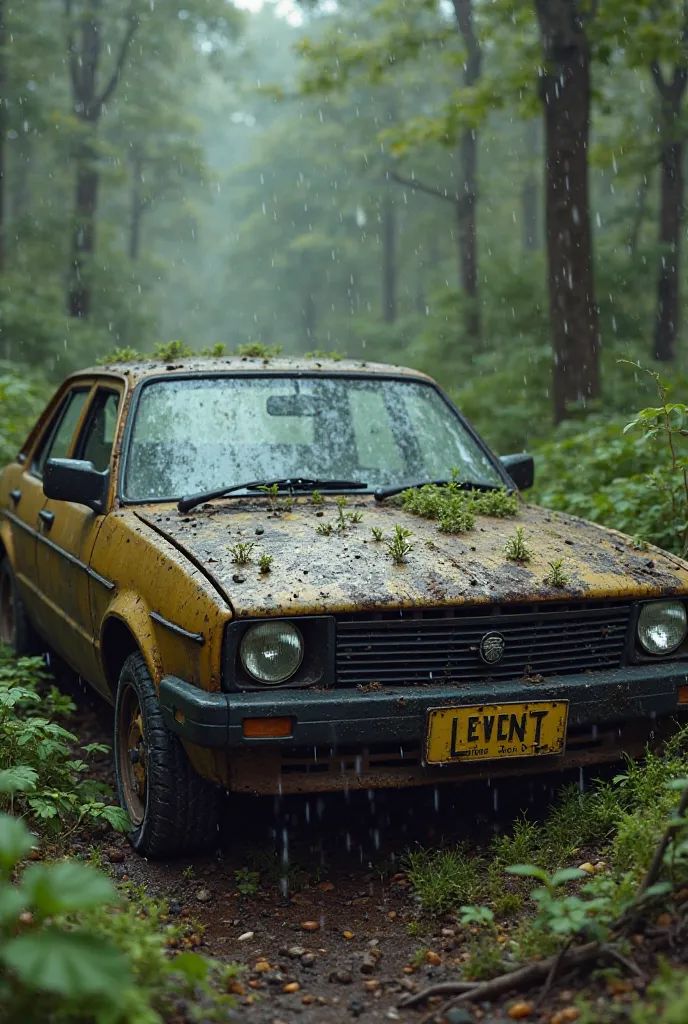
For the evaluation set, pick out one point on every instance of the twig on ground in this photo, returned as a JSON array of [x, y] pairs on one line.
[[632, 968], [444, 988], [556, 964]]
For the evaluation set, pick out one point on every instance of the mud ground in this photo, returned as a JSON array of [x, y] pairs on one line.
[[332, 863]]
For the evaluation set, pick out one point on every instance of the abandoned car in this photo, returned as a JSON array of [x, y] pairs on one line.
[[306, 575]]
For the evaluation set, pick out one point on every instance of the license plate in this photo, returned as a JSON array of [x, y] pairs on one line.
[[483, 732]]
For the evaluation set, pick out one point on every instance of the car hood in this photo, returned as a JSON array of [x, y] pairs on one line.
[[349, 570]]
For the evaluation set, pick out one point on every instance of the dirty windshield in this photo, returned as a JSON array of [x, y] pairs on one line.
[[192, 435]]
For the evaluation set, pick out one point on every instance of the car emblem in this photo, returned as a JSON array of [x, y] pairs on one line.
[[492, 647]]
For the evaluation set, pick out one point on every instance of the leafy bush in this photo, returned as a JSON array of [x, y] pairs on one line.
[[72, 949], [38, 773], [22, 397]]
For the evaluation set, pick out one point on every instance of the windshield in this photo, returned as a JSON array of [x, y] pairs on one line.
[[201, 434]]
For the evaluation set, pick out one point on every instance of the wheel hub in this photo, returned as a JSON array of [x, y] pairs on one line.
[[133, 755]]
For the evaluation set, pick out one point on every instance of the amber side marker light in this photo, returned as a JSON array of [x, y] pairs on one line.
[[683, 694], [267, 728]]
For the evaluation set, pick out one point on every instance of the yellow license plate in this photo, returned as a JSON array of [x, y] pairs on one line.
[[482, 732]]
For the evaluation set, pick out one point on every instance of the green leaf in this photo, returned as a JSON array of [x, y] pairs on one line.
[[18, 779], [567, 875], [118, 818], [677, 784], [12, 902], [15, 841], [527, 871], [193, 966], [71, 963], [67, 886]]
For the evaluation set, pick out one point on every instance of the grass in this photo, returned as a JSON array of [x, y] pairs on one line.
[[516, 549], [241, 553], [443, 879], [456, 510]]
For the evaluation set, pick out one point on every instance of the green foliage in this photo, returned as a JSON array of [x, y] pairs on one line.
[[247, 882], [265, 563], [556, 577], [316, 498], [255, 350], [516, 549], [22, 397], [399, 546], [377, 533], [38, 772], [241, 552], [168, 352], [325, 529], [454, 509], [443, 879]]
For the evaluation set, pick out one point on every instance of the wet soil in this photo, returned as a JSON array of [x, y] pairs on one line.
[[332, 863]]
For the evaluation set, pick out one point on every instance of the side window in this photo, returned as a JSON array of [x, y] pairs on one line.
[[98, 437], [57, 440]]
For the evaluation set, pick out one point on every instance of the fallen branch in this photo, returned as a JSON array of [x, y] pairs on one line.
[[556, 966], [444, 988]]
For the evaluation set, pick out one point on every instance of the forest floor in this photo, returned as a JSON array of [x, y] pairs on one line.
[[310, 896]]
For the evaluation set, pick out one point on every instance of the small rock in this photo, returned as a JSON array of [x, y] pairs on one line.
[[262, 967], [341, 977], [246, 936], [520, 1010], [115, 856], [448, 933], [600, 866], [238, 578], [308, 959], [372, 986], [203, 896], [392, 916], [254, 984], [260, 530], [325, 886], [355, 1007], [569, 1013], [399, 877], [665, 920], [292, 987], [433, 958], [457, 1015], [295, 952], [309, 926], [587, 867], [369, 962], [348, 935], [306, 1000]]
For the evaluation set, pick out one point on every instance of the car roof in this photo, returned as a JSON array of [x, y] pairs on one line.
[[139, 370]]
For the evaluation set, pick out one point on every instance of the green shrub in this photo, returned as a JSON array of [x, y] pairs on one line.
[[39, 773], [443, 879]]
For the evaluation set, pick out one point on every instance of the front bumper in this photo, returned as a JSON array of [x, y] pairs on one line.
[[345, 718]]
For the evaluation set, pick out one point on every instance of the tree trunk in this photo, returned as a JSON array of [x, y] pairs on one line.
[[670, 220], [565, 91], [3, 132], [468, 156], [530, 196], [389, 261], [84, 232], [670, 212]]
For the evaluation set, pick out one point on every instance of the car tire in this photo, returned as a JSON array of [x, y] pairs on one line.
[[15, 628], [173, 810]]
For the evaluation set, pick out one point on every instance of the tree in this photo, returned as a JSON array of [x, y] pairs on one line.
[[566, 98], [86, 33]]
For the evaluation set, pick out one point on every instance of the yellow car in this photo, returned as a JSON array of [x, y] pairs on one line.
[[303, 575]]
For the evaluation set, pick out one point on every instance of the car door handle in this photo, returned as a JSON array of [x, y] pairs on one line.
[[47, 517], [15, 495]]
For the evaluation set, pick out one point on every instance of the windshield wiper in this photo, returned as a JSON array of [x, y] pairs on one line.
[[296, 483], [464, 485]]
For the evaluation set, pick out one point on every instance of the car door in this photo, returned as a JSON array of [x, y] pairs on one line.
[[70, 531], [27, 498]]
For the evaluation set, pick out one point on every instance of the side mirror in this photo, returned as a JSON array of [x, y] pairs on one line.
[[521, 469], [75, 480]]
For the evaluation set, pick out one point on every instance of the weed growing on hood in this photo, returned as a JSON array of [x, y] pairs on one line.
[[516, 549], [399, 546], [455, 509]]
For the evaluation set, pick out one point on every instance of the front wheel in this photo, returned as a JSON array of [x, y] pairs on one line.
[[172, 809]]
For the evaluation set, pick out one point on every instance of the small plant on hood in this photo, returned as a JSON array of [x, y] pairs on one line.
[[241, 553], [556, 577], [516, 549], [399, 546]]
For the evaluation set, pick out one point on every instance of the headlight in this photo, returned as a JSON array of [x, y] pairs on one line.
[[662, 626], [272, 651]]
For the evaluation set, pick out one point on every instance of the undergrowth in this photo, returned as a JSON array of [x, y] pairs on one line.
[[454, 509]]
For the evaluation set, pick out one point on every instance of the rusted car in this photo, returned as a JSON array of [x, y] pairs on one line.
[[302, 575]]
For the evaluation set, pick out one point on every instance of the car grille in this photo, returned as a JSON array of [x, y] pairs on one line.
[[433, 647]]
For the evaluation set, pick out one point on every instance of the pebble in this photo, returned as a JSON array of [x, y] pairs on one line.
[[309, 926], [115, 856], [587, 867], [203, 896], [292, 986], [565, 1016], [392, 916], [295, 952], [325, 886], [372, 986], [341, 977], [355, 1007], [369, 961], [237, 989], [306, 1000], [246, 936], [517, 1011], [348, 935], [262, 967], [308, 959], [433, 958], [457, 1015]]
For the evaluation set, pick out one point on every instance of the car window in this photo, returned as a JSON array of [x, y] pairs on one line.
[[197, 434], [58, 439], [98, 437]]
